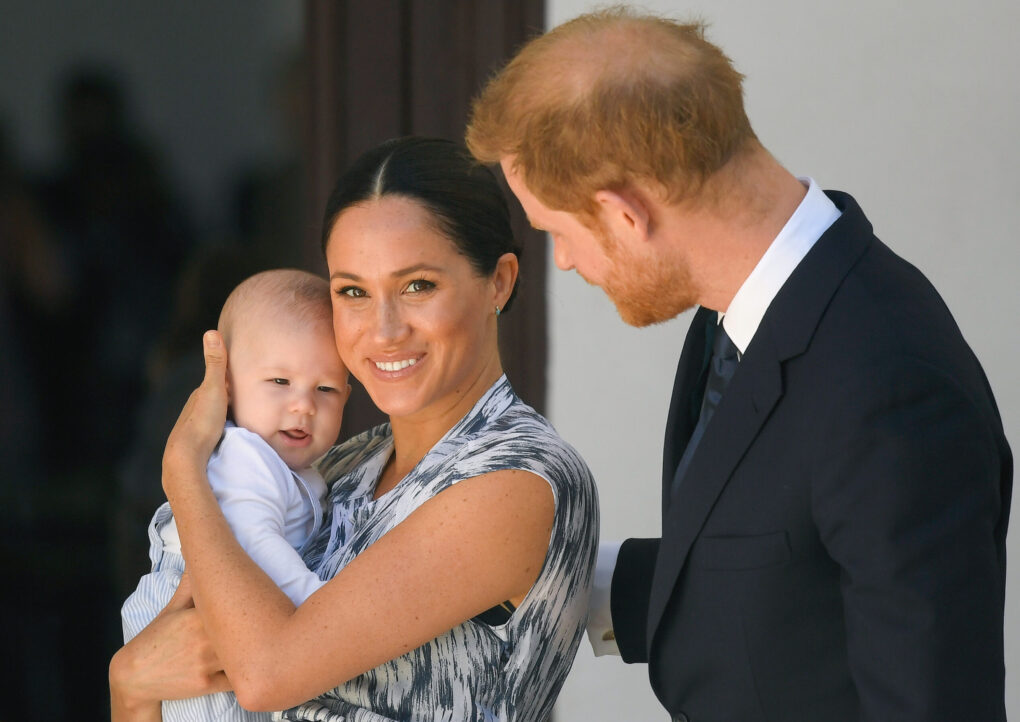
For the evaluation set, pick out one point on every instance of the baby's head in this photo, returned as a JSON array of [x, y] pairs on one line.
[[284, 377]]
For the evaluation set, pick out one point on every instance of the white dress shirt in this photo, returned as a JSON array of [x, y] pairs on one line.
[[812, 218]]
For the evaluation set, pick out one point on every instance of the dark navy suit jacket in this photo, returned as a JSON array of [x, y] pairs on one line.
[[837, 547]]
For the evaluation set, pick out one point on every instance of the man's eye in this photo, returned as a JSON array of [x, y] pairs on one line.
[[420, 285], [352, 291], [281, 382]]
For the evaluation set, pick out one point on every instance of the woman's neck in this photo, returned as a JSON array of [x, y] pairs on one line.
[[415, 435]]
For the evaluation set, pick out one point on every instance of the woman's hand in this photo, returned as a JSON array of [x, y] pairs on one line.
[[200, 424], [171, 658]]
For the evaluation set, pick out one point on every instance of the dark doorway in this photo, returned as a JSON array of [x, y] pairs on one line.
[[398, 67]]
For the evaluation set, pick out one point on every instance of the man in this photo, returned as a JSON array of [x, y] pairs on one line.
[[836, 482]]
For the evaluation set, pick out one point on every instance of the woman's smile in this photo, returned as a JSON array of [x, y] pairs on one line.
[[396, 366]]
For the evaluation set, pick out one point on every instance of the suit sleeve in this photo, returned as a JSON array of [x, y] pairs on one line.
[[910, 497], [632, 585]]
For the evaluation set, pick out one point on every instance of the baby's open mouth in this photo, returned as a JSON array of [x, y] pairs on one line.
[[296, 434]]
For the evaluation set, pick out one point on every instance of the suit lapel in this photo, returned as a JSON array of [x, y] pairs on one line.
[[679, 423], [747, 403], [756, 387]]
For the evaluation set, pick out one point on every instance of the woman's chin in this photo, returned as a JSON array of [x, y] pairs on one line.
[[397, 408]]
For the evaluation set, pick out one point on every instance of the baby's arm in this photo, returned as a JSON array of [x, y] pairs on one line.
[[258, 495]]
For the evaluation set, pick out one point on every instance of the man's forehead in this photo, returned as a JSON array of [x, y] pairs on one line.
[[515, 178]]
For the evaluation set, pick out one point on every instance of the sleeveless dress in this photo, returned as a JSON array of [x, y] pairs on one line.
[[475, 671]]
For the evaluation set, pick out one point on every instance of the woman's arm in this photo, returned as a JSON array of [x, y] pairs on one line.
[[171, 658], [472, 546]]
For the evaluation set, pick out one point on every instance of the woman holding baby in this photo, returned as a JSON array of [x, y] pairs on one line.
[[459, 538]]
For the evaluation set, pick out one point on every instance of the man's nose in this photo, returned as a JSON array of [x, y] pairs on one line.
[[561, 255]]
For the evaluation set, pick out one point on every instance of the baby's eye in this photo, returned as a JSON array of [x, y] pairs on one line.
[[352, 292], [420, 285], [281, 382], [326, 389]]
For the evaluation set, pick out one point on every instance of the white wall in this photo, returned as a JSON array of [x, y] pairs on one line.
[[912, 107]]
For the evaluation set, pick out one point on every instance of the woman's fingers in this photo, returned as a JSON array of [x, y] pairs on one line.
[[215, 364], [171, 658], [200, 424]]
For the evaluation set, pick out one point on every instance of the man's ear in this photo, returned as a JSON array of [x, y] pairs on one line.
[[625, 213]]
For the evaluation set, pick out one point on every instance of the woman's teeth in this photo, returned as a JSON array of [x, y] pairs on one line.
[[395, 365]]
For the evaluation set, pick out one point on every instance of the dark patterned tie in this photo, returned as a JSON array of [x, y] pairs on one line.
[[721, 367]]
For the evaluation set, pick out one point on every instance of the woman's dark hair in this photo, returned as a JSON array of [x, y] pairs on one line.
[[463, 196]]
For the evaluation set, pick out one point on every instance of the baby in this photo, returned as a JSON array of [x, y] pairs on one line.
[[287, 389]]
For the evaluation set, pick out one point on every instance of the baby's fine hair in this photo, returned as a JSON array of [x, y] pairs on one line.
[[298, 295]]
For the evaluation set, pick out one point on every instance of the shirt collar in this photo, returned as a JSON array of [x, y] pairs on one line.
[[812, 218]]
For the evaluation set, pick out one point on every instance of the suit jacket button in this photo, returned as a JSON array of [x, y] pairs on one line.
[[681, 717]]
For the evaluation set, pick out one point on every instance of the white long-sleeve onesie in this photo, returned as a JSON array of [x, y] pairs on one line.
[[272, 510]]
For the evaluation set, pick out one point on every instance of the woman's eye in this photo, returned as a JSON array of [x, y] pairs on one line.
[[352, 291], [420, 285], [281, 382]]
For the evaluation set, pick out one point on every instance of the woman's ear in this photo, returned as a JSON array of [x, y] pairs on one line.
[[504, 278]]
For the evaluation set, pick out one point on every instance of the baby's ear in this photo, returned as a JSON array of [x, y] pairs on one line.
[[230, 392]]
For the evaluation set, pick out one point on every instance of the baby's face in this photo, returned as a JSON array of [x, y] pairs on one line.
[[288, 385]]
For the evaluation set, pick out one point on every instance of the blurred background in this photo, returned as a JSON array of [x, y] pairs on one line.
[[152, 155]]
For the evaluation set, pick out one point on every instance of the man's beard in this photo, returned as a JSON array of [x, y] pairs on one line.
[[645, 292]]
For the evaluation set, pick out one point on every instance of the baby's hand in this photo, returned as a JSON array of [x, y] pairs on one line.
[[200, 424]]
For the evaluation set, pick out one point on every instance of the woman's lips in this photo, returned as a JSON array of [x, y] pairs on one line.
[[396, 368]]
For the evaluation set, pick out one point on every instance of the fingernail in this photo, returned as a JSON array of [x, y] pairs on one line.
[[211, 339]]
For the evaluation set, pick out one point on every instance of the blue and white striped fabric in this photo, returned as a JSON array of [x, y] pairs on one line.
[[511, 672], [152, 594]]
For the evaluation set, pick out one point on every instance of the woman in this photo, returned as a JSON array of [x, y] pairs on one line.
[[461, 536]]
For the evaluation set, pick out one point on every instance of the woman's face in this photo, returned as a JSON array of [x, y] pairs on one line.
[[414, 321]]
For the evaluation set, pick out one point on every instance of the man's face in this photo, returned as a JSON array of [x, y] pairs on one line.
[[644, 288], [575, 245]]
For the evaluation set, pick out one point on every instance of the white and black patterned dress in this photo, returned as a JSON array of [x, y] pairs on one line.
[[476, 671]]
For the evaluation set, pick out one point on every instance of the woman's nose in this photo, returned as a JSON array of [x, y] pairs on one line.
[[390, 326]]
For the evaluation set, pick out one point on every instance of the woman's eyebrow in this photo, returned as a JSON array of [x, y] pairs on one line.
[[415, 268], [395, 274]]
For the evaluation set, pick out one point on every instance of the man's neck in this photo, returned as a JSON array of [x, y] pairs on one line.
[[722, 242]]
